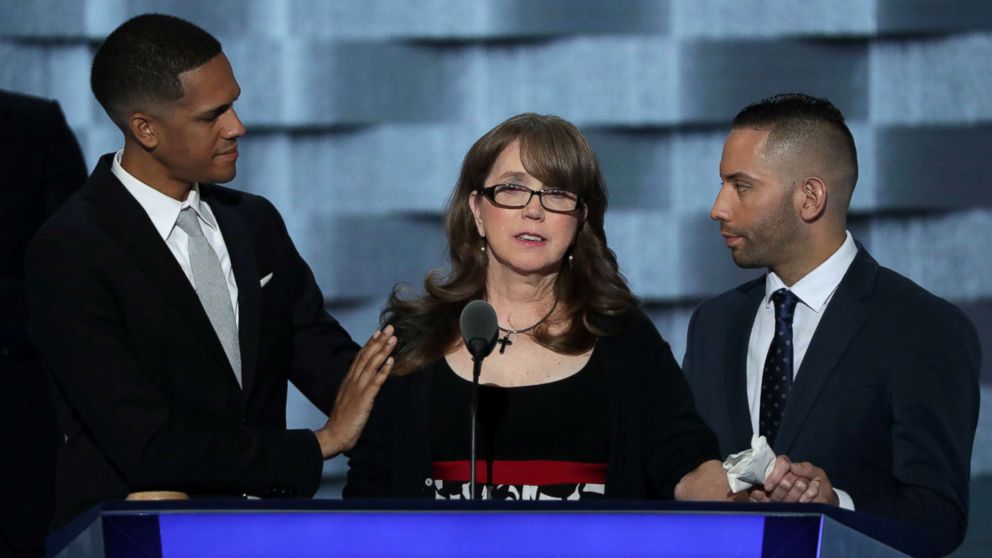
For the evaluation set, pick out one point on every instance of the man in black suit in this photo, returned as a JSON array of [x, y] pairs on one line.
[[41, 165], [865, 380], [172, 311]]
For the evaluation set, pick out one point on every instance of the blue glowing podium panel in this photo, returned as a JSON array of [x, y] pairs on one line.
[[322, 529]]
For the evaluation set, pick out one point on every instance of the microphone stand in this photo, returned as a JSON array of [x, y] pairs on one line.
[[474, 411]]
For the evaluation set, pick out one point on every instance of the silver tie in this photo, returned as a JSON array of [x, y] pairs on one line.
[[211, 288]]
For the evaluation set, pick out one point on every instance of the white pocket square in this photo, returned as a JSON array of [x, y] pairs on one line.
[[265, 280]]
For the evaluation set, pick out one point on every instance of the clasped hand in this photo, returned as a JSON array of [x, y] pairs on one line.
[[790, 482]]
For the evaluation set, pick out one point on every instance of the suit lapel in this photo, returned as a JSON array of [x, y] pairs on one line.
[[117, 212], [840, 323], [740, 320], [237, 238]]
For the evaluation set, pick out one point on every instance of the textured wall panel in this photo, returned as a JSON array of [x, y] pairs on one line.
[[718, 78], [934, 167], [24, 68], [946, 254], [638, 164], [375, 171], [365, 256], [231, 18], [945, 80], [35, 19], [771, 18], [932, 16], [671, 256], [319, 83], [695, 179], [602, 80], [476, 20]]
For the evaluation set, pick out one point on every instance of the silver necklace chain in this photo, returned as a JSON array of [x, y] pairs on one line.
[[506, 338]]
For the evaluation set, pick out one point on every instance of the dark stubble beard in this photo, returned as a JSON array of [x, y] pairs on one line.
[[772, 239]]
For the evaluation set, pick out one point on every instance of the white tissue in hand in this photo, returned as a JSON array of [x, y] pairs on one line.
[[750, 467]]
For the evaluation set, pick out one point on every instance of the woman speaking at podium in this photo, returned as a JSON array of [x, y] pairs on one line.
[[581, 398]]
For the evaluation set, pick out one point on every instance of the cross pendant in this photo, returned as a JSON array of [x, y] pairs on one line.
[[504, 342]]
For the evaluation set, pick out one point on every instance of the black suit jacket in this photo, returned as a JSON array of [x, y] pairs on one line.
[[40, 166], [885, 401], [148, 399]]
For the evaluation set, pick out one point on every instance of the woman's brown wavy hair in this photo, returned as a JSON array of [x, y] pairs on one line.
[[590, 290]]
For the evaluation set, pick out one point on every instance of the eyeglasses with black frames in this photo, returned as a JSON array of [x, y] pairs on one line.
[[516, 196]]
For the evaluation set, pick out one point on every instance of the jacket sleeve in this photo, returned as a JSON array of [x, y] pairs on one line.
[[676, 440], [935, 403]]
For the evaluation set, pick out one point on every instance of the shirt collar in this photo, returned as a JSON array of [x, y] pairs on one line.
[[816, 287], [161, 209]]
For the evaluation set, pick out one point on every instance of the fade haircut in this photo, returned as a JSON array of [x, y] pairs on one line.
[[808, 127], [140, 62]]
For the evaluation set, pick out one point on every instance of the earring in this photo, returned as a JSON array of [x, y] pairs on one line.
[[571, 258], [483, 247]]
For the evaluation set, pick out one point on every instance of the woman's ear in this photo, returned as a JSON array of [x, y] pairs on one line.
[[475, 206]]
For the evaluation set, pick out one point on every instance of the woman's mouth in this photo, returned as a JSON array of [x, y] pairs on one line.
[[531, 239]]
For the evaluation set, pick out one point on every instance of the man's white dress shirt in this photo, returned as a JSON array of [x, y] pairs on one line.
[[164, 212], [814, 290]]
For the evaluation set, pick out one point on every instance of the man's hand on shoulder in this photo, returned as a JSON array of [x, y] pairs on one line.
[[356, 395]]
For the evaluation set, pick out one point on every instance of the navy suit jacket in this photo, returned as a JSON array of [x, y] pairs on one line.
[[146, 396], [885, 401]]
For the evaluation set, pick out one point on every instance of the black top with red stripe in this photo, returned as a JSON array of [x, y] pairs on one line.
[[545, 441]]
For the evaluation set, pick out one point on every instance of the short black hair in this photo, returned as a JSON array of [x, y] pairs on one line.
[[141, 60], [799, 121]]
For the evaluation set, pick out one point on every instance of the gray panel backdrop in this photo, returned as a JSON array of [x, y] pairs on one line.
[[359, 111]]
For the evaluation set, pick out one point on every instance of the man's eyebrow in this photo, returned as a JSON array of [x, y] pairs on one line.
[[741, 175], [219, 109]]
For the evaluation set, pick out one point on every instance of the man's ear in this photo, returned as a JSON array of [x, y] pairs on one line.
[[813, 192], [143, 128]]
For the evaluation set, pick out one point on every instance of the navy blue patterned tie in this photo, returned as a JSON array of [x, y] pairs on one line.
[[777, 376]]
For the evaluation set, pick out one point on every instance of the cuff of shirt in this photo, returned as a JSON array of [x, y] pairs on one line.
[[844, 499]]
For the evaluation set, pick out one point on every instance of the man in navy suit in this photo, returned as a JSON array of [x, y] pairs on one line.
[[172, 311], [868, 382]]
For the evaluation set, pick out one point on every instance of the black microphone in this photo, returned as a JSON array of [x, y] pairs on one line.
[[479, 328]]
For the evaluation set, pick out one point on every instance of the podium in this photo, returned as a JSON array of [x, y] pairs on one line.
[[377, 528]]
